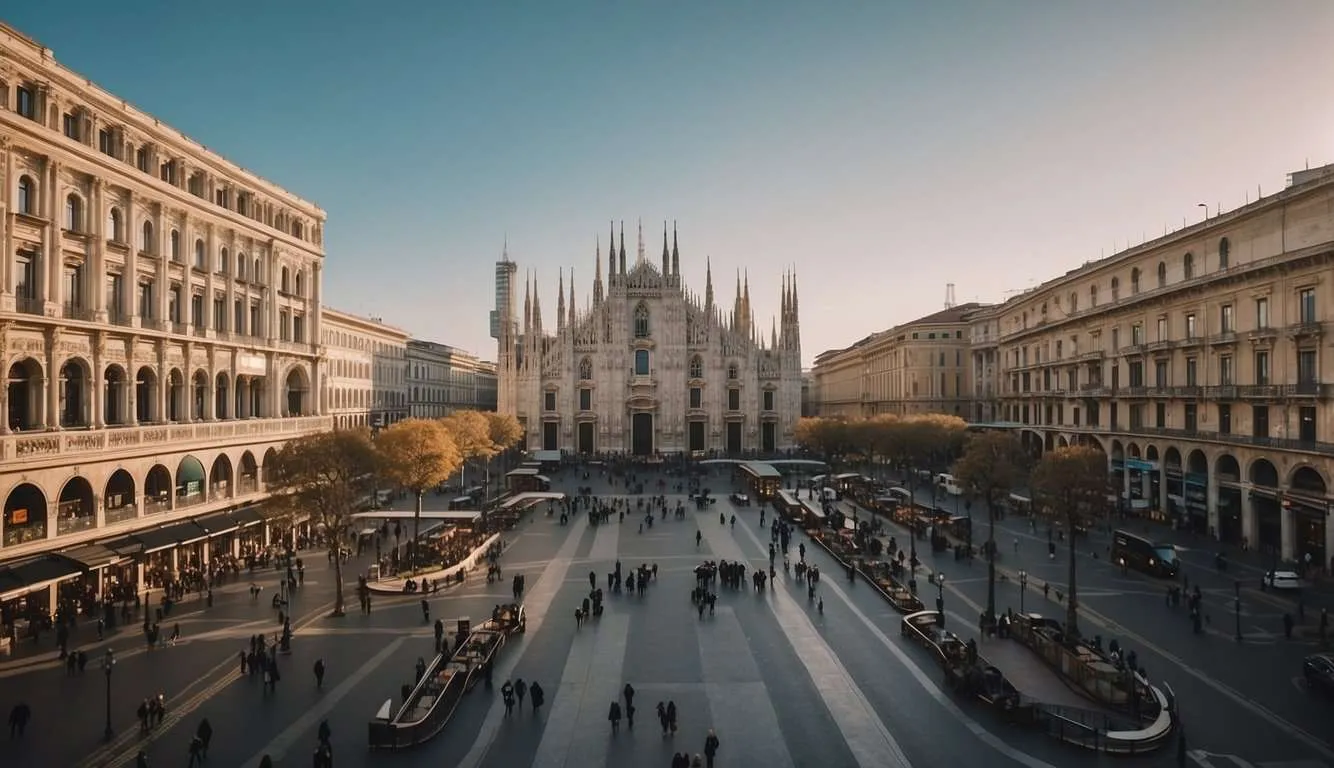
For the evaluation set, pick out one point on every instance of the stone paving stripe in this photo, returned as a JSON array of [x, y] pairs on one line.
[[742, 712], [870, 742], [606, 543], [577, 732], [284, 741], [536, 603]]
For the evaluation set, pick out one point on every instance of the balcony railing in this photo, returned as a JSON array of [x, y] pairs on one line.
[[88, 444], [152, 324], [117, 317], [178, 327], [156, 506], [29, 306], [245, 485], [121, 514], [75, 311], [200, 331], [1282, 443], [1306, 329]]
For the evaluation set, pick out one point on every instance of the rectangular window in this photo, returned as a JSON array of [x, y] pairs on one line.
[[1224, 418], [1262, 368], [219, 313], [549, 401], [1190, 326], [1160, 373], [26, 104], [1306, 431], [1260, 421], [1225, 323], [255, 329], [238, 317], [1116, 339], [641, 362], [1192, 417], [1306, 367], [197, 310], [106, 142], [1262, 313], [1136, 335], [145, 307], [299, 329], [174, 304], [1306, 306], [585, 399], [141, 159], [733, 399], [72, 125], [1162, 329], [115, 284], [1160, 415], [1225, 377], [1137, 374], [768, 400], [696, 397], [1192, 373], [284, 323], [1137, 416]]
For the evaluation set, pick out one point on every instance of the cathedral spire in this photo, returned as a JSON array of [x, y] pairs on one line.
[[622, 254], [749, 317], [611, 252], [665, 255], [570, 320], [527, 304], [537, 310], [676, 255], [597, 278], [639, 257], [773, 334], [560, 302], [708, 285]]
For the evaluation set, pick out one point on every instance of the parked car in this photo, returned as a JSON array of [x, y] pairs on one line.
[[740, 499], [1281, 580], [1318, 671]]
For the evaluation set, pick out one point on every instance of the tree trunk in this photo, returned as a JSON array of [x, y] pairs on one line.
[[338, 609], [416, 529], [1071, 592], [991, 560]]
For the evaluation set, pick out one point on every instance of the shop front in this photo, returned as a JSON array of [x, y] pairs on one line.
[[1309, 517], [28, 592], [1268, 520]]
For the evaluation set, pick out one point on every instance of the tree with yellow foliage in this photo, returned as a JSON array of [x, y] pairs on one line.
[[417, 455]]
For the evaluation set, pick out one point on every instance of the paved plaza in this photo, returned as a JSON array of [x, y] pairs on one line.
[[782, 683]]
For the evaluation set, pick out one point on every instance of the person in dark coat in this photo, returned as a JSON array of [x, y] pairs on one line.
[[319, 673], [18, 719], [205, 735], [711, 745], [614, 715], [538, 695]]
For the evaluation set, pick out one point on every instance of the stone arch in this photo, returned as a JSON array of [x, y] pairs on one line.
[[220, 477], [1133, 451], [176, 401], [247, 473], [1306, 479], [221, 402], [75, 381], [1263, 473], [25, 516], [270, 459], [190, 481], [76, 509], [1227, 468], [115, 389], [296, 390], [25, 386], [199, 394], [118, 497], [1062, 441], [1151, 453], [157, 489], [1197, 463], [146, 383], [1172, 458], [1118, 451]]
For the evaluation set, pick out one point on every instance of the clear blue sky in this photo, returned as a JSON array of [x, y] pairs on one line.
[[883, 149]]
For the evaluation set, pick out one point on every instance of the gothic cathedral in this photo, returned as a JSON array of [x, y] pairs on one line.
[[649, 368]]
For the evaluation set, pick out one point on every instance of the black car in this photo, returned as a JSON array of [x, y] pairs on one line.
[[1318, 671]]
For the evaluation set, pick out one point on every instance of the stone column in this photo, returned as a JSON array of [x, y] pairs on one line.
[[1248, 531], [7, 233], [99, 388], [1211, 502], [314, 304], [211, 391], [53, 247], [1287, 530], [96, 279], [52, 420], [160, 235], [269, 296], [164, 382], [210, 267], [130, 279]]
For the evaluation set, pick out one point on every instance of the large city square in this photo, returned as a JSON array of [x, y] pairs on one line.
[[365, 472]]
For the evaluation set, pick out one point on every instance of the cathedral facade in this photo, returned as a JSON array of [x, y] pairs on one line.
[[649, 368]]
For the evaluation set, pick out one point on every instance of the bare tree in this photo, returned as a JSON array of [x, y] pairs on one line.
[[991, 467], [1071, 482]]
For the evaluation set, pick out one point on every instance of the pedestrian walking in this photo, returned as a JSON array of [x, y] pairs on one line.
[[671, 715], [426, 611], [319, 673], [520, 688], [141, 760], [614, 715], [18, 719], [205, 735], [538, 695], [711, 745], [507, 695], [662, 717], [196, 752], [324, 733]]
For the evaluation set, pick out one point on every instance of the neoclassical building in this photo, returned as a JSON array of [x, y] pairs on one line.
[[443, 379], [159, 320], [365, 362], [649, 368]]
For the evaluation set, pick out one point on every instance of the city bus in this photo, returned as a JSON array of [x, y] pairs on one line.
[[1145, 556]]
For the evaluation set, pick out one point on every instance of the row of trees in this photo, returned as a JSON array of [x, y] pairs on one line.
[[1070, 484], [331, 475]]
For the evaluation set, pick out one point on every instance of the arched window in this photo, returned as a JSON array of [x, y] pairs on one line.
[[73, 213], [242, 266], [1224, 253], [224, 261], [1188, 264], [115, 226], [256, 274], [733, 373], [201, 256], [174, 241], [146, 238], [1116, 289], [641, 321], [1093, 295], [1134, 281], [1162, 274], [585, 369], [27, 200], [300, 283], [298, 230], [1074, 302], [696, 367], [641, 362], [283, 281]]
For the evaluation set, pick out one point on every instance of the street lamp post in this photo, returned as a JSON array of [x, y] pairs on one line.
[[1023, 587], [912, 529], [108, 663], [1236, 606], [940, 596]]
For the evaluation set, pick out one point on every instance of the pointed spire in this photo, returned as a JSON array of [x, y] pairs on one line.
[[665, 254], [794, 296], [611, 252], [597, 278], [505, 249], [639, 258], [537, 308], [622, 254], [676, 255], [527, 303], [560, 301], [748, 317], [773, 334], [570, 320], [708, 284]]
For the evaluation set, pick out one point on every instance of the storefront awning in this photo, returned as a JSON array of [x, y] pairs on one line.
[[217, 523], [125, 546], [93, 556], [23, 576], [246, 516], [168, 536]]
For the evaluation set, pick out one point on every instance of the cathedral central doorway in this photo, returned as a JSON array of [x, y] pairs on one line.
[[550, 436], [585, 437], [767, 441], [734, 437], [696, 435], [641, 434]]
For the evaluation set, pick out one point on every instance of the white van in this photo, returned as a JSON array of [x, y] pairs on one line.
[[946, 481]]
